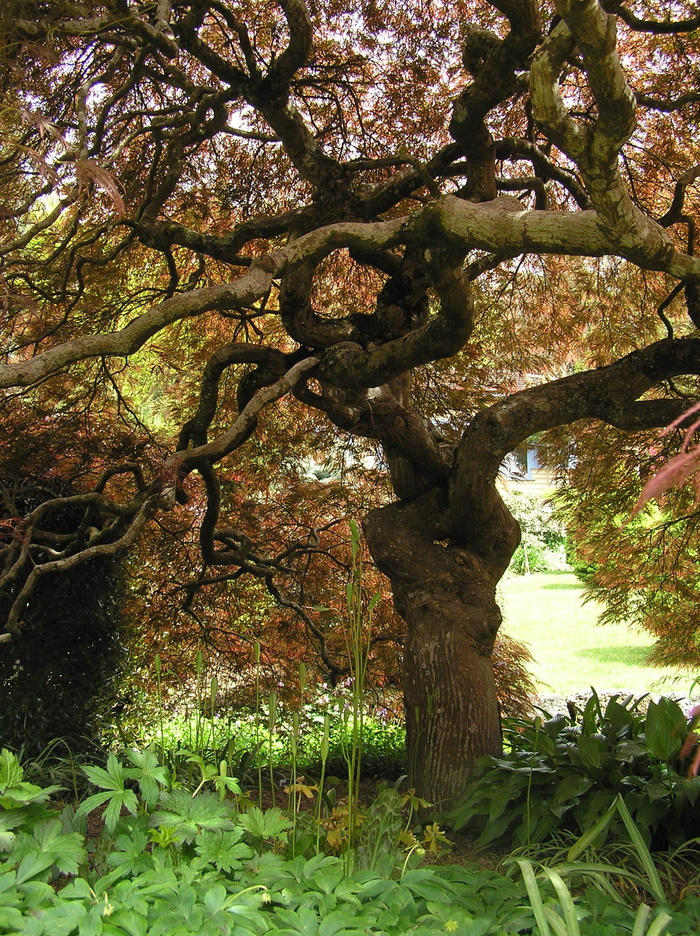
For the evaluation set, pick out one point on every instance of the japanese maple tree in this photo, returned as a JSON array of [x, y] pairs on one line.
[[439, 227]]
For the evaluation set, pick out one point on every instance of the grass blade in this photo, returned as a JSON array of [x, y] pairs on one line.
[[640, 920], [645, 859], [566, 901], [590, 867], [533, 892], [592, 834], [602, 882], [659, 924], [556, 922]]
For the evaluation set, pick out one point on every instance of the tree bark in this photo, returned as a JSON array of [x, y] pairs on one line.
[[445, 590]]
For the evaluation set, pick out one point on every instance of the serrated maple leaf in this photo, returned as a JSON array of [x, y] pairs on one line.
[[87, 171]]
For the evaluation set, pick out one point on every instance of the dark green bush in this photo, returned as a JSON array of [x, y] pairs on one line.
[[563, 773], [60, 678], [582, 567]]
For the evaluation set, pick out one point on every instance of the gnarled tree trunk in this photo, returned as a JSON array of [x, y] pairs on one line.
[[444, 587]]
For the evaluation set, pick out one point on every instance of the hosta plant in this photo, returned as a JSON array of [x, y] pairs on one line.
[[564, 773]]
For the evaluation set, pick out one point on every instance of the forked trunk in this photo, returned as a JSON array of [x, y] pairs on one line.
[[445, 592]]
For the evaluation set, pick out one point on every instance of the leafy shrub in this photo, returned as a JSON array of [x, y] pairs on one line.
[[543, 544], [563, 773], [245, 739], [514, 684], [533, 557], [580, 564], [243, 736]]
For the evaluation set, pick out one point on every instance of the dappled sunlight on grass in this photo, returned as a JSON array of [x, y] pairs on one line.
[[618, 654], [572, 651]]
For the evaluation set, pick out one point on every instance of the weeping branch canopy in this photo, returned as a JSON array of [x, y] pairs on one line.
[[360, 211]]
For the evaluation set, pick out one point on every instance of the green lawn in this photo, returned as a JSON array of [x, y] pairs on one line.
[[571, 650]]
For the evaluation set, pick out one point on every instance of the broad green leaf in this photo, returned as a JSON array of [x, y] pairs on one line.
[[92, 802], [14, 790], [303, 921], [691, 789], [262, 825], [7, 841], [328, 878], [11, 773], [499, 802], [187, 815], [77, 889], [223, 850], [9, 820], [664, 730], [32, 866], [543, 744], [619, 716], [123, 921], [553, 726], [590, 751], [8, 882], [91, 924], [149, 774], [51, 843], [120, 799], [656, 791], [11, 920], [628, 750], [130, 853], [494, 830], [110, 779], [572, 786], [428, 885], [224, 783], [216, 899], [347, 890], [313, 864], [333, 922]]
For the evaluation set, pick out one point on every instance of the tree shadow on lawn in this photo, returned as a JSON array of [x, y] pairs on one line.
[[620, 654], [568, 586]]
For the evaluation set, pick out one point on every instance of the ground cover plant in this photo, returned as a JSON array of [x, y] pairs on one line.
[[178, 844], [249, 739], [170, 860]]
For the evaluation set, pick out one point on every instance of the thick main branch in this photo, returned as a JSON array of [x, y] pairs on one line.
[[610, 394]]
